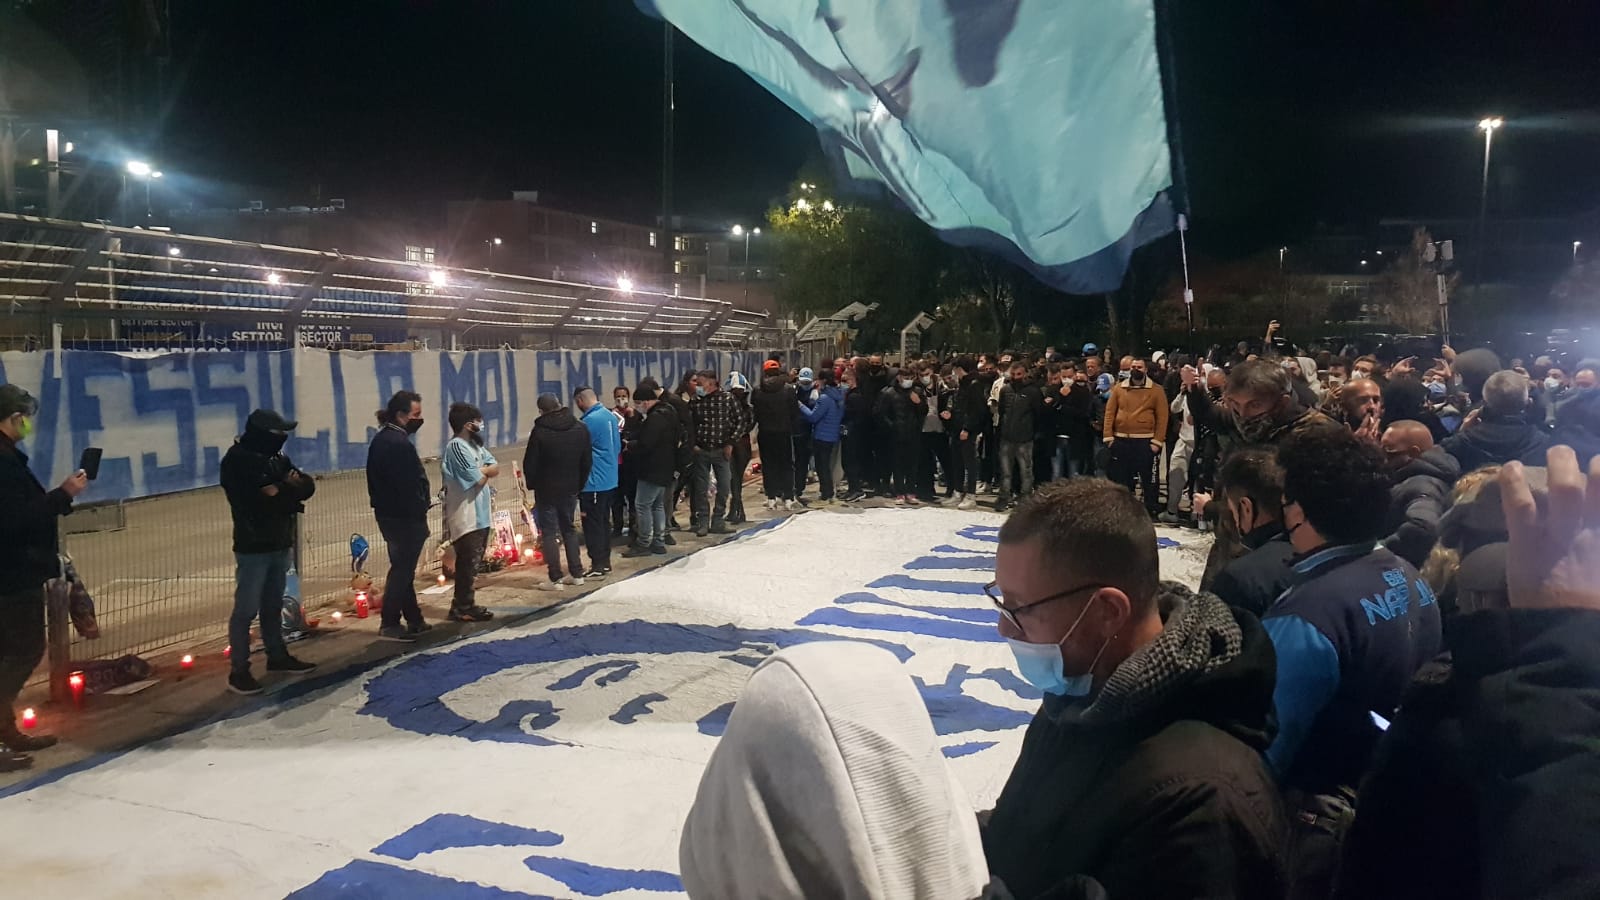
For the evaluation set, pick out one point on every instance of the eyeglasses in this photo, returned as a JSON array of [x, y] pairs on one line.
[[1011, 612]]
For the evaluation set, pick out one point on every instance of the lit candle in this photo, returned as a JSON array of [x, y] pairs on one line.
[[337, 615], [187, 662], [75, 681], [441, 579], [29, 718]]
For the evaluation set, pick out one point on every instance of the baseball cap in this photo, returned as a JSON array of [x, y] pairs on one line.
[[737, 382], [268, 420], [807, 375], [1090, 349], [771, 365], [645, 394]]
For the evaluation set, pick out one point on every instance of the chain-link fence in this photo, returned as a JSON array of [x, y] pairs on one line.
[[161, 569]]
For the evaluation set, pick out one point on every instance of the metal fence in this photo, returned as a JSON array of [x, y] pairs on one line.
[[161, 569], [94, 286]]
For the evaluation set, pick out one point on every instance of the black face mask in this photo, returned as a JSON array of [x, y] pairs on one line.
[[1136, 377], [414, 426], [879, 370], [267, 443]]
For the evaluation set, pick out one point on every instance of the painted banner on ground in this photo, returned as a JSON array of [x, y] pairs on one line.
[[557, 758], [164, 421]]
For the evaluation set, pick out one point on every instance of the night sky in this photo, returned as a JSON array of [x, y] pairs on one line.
[[1291, 113]]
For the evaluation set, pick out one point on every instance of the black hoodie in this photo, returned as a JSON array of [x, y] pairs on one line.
[[263, 523], [559, 456], [1156, 787], [775, 405], [1496, 439]]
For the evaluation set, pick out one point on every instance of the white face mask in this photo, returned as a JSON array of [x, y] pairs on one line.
[[906, 383], [927, 379], [1552, 384]]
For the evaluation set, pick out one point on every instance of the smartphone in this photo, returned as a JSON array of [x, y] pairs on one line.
[[89, 462]]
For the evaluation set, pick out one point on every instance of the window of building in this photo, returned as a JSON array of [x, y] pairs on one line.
[[652, 238], [677, 289], [677, 267], [594, 227], [420, 255], [679, 242]]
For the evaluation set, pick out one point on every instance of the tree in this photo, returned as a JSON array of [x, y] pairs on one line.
[[1409, 291]]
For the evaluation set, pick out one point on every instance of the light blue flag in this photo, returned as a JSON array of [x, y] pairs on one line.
[[1031, 127]]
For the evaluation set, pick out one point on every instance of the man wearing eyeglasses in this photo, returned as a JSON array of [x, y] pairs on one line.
[[1142, 770]]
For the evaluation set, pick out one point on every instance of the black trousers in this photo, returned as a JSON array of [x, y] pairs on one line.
[[594, 508], [469, 552], [623, 512], [406, 538], [21, 648], [822, 451], [740, 465], [802, 462], [964, 465], [857, 462], [1133, 460], [906, 450], [881, 442], [777, 465]]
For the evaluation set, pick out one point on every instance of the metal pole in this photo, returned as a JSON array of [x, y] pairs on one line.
[[747, 270], [1483, 207], [667, 106], [52, 156]]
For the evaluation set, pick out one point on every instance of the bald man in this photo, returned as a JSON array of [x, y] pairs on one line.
[[1421, 475], [1361, 404]]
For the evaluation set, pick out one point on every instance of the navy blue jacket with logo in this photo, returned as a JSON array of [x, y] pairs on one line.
[[1356, 626]]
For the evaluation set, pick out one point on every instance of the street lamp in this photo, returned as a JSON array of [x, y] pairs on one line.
[[1488, 126], [739, 231], [438, 277], [625, 284], [493, 243], [1575, 246], [143, 171]]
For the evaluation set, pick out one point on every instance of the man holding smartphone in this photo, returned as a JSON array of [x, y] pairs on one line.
[[29, 556]]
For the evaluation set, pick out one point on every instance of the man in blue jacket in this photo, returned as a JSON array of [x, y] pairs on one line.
[[1356, 626], [600, 491], [825, 417]]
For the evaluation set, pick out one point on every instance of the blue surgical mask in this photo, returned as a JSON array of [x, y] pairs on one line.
[[1437, 389], [699, 391], [1041, 665]]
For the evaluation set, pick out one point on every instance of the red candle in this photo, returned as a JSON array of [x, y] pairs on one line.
[[187, 662], [75, 681], [29, 718]]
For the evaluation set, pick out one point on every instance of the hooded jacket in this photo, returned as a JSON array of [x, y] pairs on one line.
[[1419, 498], [605, 443], [826, 416], [1496, 439], [262, 523], [898, 414], [970, 411], [830, 782], [774, 403], [653, 450], [559, 456], [1155, 787], [29, 541], [1257, 579]]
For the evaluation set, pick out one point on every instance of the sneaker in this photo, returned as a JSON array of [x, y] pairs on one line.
[[287, 663], [636, 551], [658, 549], [670, 541], [553, 586], [1169, 518], [29, 743], [900, 500], [702, 530], [771, 504], [721, 529], [244, 684], [573, 581], [419, 628], [1205, 527], [967, 502], [856, 497], [15, 762], [397, 633], [597, 573], [470, 614], [913, 501], [672, 524]]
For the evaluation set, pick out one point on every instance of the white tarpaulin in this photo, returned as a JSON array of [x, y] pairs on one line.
[[558, 758]]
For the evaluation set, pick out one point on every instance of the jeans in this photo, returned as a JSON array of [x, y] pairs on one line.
[[22, 646], [405, 538], [1064, 463], [258, 591], [802, 462], [650, 503], [777, 465], [739, 466], [1133, 460], [964, 465], [557, 521], [469, 552], [1178, 473], [1015, 457], [935, 454], [595, 508], [823, 451], [707, 463], [622, 511]]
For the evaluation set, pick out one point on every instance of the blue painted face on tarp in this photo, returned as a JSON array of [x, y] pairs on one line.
[[624, 671]]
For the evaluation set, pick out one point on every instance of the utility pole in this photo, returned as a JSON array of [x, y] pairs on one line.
[[667, 105]]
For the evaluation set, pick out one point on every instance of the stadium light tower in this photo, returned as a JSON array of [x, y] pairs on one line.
[[1488, 125]]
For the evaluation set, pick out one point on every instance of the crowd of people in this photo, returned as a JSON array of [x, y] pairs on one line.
[[1386, 686]]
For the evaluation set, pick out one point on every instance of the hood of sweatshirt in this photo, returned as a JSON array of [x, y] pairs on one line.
[[774, 383], [830, 782], [1434, 463], [557, 420]]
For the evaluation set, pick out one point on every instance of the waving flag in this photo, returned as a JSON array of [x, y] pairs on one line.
[[1032, 127]]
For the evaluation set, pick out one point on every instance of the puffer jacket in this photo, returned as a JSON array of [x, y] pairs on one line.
[[1020, 408], [825, 417], [898, 414], [774, 403], [1496, 439], [1419, 498], [559, 457], [1155, 786]]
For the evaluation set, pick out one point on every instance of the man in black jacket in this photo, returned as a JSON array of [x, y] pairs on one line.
[[1143, 769], [653, 448], [774, 404], [900, 411], [1502, 431], [1251, 484], [397, 487], [1020, 404], [969, 414], [556, 465], [265, 494], [1422, 475], [29, 556]]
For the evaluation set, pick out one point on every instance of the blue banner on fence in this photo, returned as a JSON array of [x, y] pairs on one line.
[[164, 421]]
